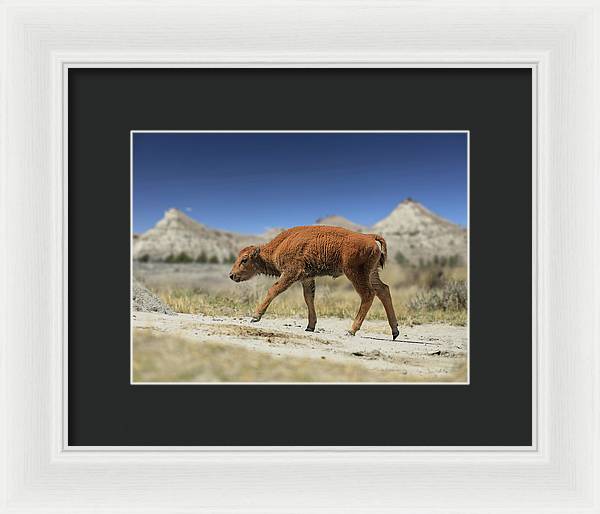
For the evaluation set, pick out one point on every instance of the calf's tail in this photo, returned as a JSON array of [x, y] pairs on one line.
[[383, 256]]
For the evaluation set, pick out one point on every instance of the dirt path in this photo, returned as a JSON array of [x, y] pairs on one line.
[[432, 350]]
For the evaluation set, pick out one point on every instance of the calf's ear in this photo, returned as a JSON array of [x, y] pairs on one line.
[[255, 252]]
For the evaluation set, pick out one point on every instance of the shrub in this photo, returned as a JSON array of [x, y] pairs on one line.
[[144, 258], [451, 297], [202, 258], [431, 278], [230, 259], [182, 257], [401, 259], [170, 258], [214, 260], [453, 261]]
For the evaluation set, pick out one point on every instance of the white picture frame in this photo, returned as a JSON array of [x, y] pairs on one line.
[[559, 41]]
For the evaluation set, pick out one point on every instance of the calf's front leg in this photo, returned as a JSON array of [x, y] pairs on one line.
[[278, 287]]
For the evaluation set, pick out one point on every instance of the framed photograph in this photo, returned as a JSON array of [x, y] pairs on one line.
[[257, 184], [305, 258]]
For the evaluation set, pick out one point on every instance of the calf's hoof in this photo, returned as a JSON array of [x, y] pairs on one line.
[[395, 334], [255, 319], [350, 333], [309, 329]]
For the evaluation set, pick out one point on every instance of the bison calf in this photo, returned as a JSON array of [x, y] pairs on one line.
[[302, 253]]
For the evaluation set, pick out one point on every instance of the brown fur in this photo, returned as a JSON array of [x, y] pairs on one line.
[[302, 253]]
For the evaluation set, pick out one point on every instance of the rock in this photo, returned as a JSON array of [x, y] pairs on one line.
[[146, 301]]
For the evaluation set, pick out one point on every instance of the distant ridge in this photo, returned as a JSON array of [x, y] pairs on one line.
[[340, 221], [410, 229]]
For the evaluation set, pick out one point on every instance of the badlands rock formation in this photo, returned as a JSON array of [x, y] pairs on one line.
[[419, 234], [177, 233]]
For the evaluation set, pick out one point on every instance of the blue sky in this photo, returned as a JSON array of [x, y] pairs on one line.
[[247, 182]]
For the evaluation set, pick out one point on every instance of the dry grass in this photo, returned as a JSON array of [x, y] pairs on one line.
[[334, 298], [338, 304], [450, 296], [162, 358]]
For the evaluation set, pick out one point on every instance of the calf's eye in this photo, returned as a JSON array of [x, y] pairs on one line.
[[244, 260]]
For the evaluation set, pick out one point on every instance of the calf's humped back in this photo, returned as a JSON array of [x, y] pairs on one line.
[[320, 250]]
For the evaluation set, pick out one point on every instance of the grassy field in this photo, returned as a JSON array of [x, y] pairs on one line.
[[164, 358], [419, 295]]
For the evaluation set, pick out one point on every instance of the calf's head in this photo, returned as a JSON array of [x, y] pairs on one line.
[[244, 267]]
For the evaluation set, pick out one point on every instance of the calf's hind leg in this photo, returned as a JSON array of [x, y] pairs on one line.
[[362, 284], [308, 287], [383, 293]]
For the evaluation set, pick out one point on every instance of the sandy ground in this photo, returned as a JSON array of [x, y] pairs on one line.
[[431, 351]]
